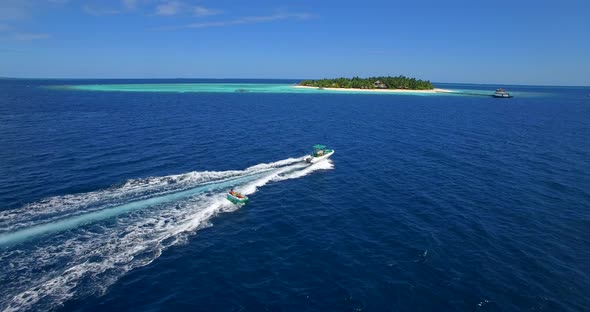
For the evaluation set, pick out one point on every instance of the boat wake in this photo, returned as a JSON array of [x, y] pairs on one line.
[[77, 245]]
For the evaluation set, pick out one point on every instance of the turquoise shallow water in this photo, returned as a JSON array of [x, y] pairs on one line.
[[282, 88], [212, 88], [193, 87], [224, 88]]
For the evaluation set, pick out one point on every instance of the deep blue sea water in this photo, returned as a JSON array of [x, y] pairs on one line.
[[114, 201]]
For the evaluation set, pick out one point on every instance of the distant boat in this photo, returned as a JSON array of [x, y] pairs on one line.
[[501, 93]]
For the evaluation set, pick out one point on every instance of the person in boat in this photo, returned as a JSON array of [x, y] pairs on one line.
[[236, 194]]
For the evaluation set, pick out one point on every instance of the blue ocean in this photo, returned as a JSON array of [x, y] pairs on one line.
[[113, 200]]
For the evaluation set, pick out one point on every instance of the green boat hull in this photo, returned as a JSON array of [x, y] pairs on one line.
[[237, 200]]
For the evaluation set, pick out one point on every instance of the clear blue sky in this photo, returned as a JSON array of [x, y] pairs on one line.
[[522, 42]]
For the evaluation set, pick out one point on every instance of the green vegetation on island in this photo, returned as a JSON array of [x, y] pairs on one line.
[[399, 82]]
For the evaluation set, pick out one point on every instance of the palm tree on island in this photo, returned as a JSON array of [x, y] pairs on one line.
[[399, 82]]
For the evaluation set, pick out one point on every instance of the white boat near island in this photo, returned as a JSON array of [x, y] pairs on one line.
[[501, 93]]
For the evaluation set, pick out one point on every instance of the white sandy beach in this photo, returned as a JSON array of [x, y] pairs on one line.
[[435, 90]]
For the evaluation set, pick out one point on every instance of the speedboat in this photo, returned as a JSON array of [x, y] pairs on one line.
[[236, 197], [501, 93], [320, 152]]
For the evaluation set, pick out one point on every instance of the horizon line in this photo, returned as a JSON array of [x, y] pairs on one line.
[[236, 78]]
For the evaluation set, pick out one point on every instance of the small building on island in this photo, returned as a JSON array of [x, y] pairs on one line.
[[379, 85]]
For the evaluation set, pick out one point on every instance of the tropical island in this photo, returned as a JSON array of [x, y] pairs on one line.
[[387, 84]]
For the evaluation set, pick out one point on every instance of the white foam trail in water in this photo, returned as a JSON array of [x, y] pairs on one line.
[[22, 234], [60, 207], [86, 259]]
